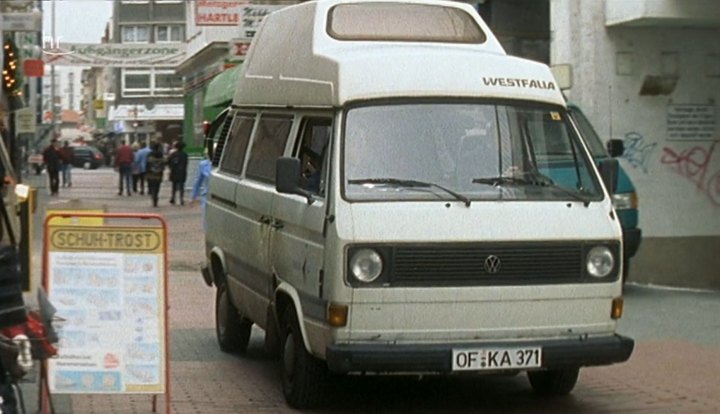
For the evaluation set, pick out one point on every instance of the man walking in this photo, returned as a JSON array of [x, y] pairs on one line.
[[53, 163], [178, 162], [67, 155], [141, 157], [123, 163]]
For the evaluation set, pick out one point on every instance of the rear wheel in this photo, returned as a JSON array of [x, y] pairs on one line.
[[304, 377], [553, 382], [233, 331]]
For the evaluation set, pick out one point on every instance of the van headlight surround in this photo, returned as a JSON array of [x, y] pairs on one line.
[[365, 265], [600, 261]]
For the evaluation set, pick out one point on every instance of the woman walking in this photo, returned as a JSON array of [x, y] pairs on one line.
[[154, 173]]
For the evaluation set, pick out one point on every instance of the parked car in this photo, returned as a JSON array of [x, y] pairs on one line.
[[88, 157], [624, 197]]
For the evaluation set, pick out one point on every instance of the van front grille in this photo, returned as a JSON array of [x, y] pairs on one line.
[[487, 264]]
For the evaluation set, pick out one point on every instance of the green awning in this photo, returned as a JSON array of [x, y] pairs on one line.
[[221, 89]]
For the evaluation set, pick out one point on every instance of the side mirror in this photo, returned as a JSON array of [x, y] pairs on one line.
[[616, 147], [287, 177], [609, 173]]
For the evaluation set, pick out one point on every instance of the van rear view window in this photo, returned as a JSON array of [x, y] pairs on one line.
[[403, 22]]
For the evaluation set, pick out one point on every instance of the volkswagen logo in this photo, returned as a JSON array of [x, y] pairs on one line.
[[492, 264]]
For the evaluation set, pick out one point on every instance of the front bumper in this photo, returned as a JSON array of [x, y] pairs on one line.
[[562, 353]]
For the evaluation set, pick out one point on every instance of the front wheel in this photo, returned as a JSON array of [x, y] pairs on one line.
[[304, 377], [233, 331], [553, 382]]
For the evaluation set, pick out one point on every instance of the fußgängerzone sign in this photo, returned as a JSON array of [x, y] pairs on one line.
[[108, 284], [115, 54]]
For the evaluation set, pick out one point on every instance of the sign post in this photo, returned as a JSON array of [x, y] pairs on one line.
[[109, 285]]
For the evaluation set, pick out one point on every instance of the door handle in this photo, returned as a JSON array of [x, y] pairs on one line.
[[265, 220], [277, 225]]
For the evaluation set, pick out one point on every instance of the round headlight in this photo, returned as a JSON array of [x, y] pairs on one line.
[[366, 265], [600, 261]]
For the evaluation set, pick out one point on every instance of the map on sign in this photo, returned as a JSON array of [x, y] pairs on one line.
[[107, 283]]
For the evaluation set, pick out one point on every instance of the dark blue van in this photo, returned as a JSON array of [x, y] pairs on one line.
[[625, 197]]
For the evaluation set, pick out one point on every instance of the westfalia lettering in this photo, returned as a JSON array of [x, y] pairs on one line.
[[519, 83], [104, 240]]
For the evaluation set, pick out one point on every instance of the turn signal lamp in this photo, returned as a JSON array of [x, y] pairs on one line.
[[337, 315], [617, 308]]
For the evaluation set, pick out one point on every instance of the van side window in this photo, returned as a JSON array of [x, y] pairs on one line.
[[237, 142], [312, 150], [268, 145]]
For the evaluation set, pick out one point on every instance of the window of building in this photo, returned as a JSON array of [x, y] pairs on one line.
[[233, 155], [136, 82], [268, 144], [167, 81], [169, 33], [135, 34], [150, 82], [134, 1]]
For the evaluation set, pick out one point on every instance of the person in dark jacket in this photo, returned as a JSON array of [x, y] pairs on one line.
[[178, 162], [154, 171], [53, 164]]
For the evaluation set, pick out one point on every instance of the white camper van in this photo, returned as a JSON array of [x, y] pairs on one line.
[[393, 193]]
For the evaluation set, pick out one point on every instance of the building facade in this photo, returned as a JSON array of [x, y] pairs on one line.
[[148, 100], [648, 72], [219, 33]]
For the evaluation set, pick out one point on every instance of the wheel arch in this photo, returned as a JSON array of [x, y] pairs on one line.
[[218, 267], [286, 296]]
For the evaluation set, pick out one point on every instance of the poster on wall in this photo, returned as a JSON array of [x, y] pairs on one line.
[[691, 123], [107, 284]]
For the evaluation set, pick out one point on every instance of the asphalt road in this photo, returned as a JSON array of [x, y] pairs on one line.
[[674, 367]]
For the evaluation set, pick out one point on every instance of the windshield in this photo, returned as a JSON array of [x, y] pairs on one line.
[[464, 151]]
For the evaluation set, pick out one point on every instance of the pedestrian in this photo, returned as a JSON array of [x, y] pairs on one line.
[[154, 172], [123, 163], [67, 155], [200, 186], [178, 162], [135, 168], [140, 162], [53, 164]]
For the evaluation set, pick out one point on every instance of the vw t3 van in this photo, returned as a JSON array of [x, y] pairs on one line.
[[392, 193]]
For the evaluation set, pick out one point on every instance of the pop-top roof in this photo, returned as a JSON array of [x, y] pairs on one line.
[[330, 52]]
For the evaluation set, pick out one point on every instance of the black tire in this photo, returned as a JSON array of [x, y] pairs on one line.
[[553, 382], [233, 331], [304, 377], [272, 336]]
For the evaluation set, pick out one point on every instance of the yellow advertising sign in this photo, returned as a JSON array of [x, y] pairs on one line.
[[75, 220], [108, 284], [104, 239]]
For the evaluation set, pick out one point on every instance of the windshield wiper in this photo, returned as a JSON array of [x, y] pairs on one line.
[[530, 179], [410, 184]]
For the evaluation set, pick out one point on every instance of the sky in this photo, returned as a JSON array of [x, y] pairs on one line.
[[77, 21]]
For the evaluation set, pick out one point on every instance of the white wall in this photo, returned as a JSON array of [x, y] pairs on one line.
[[678, 180]]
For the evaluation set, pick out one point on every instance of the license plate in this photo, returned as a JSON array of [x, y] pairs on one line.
[[496, 358]]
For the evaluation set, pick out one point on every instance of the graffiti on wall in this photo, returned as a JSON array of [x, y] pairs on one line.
[[694, 164], [638, 151]]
